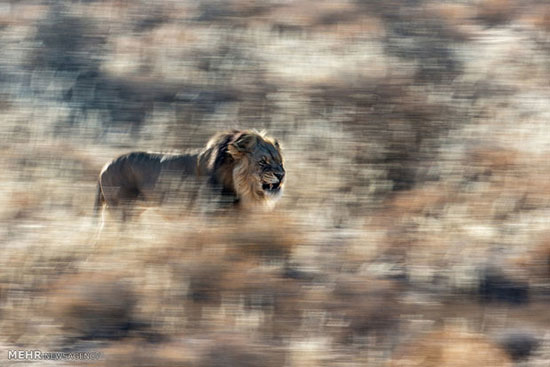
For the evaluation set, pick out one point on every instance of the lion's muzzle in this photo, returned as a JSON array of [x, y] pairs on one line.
[[273, 183]]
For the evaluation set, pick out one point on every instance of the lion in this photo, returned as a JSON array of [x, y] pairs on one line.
[[241, 168]]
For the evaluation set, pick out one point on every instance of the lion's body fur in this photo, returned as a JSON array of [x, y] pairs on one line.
[[224, 166]]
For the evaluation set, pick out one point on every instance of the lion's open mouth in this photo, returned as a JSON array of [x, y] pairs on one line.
[[271, 187]]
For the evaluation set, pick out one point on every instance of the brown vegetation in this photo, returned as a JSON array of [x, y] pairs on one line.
[[452, 348], [416, 147], [92, 305]]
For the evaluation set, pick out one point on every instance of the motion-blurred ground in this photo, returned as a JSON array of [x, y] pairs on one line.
[[414, 226]]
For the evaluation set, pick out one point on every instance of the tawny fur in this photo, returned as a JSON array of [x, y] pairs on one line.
[[243, 167]]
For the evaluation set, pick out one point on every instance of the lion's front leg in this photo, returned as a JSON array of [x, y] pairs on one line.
[[211, 199]]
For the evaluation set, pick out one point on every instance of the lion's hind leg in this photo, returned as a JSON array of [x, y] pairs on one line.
[[127, 208], [118, 206]]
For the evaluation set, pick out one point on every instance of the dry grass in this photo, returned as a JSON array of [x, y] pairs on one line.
[[452, 348], [415, 137]]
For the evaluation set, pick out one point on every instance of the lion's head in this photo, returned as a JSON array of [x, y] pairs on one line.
[[250, 164]]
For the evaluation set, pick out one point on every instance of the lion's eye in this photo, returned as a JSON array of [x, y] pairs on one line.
[[263, 161]]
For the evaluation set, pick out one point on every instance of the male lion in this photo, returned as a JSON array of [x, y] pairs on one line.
[[243, 168]]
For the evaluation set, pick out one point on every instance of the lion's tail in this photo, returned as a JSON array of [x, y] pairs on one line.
[[99, 200]]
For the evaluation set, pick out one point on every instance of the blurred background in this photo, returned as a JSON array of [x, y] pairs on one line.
[[414, 226]]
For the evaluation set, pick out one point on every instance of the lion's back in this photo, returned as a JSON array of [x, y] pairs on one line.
[[131, 170]]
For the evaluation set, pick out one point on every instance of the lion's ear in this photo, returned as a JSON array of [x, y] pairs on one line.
[[244, 143]]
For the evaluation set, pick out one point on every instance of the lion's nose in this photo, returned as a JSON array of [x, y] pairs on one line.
[[280, 176]]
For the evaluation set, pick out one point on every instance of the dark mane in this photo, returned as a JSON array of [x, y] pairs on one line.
[[222, 155]]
